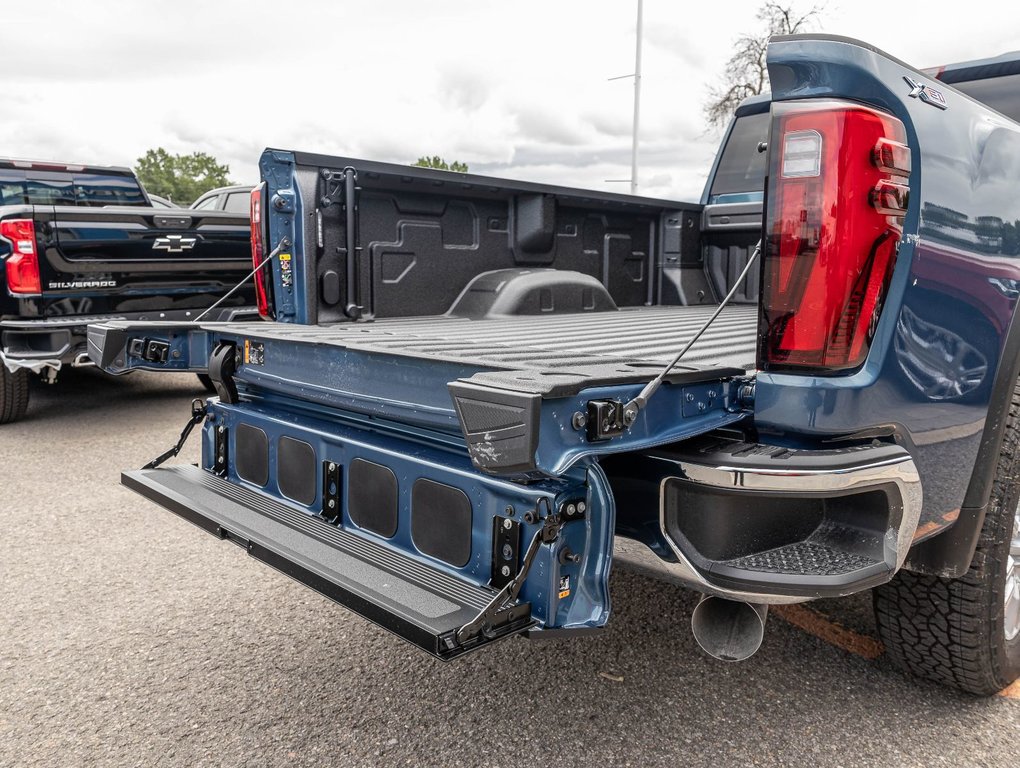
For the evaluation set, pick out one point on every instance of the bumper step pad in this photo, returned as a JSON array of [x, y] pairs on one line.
[[420, 604]]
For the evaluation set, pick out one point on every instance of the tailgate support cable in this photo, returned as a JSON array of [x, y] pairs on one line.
[[198, 412], [635, 406], [284, 243]]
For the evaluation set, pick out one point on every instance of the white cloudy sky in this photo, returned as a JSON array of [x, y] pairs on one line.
[[517, 88]]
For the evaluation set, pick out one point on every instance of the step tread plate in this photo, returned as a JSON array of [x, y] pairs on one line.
[[804, 557], [418, 603]]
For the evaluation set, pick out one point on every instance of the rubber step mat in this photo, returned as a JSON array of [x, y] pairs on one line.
[[418, 603]]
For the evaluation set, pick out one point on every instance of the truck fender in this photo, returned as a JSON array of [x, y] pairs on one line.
[[949, 554]]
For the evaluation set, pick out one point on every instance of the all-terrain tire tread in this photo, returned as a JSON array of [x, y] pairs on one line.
[[950, 630], [13, 394]]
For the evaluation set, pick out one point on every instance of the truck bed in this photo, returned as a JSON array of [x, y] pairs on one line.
[[628, 344]]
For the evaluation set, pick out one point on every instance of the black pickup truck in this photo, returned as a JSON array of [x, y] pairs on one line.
[[81, 244]]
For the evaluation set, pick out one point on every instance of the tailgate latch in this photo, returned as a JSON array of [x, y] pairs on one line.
[[605, 420]]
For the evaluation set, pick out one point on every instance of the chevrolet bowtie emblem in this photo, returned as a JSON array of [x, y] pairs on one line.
[[174, 243], [926, 93]]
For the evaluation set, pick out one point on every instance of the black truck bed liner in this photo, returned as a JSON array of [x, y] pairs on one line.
[[640, 338]]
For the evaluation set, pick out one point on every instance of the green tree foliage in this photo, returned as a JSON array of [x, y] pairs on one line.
[[437, 162], [181, 178], [746, 74]]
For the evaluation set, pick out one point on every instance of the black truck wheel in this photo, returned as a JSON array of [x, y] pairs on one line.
[[965, 632], [13, 394]]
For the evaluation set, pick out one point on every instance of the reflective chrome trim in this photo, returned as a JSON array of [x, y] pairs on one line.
[[898, 470], [82, 360]]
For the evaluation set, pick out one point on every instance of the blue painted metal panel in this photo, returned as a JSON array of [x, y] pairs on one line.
[[285, 211], [587, 605]]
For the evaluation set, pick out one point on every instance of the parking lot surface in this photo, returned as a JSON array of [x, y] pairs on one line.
[[129, 637]]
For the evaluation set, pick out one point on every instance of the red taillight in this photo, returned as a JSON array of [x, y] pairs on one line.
[[263, 273], [23, 261], [836, 199]]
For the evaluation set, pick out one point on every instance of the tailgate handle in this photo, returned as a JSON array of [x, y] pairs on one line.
[[171, 222]]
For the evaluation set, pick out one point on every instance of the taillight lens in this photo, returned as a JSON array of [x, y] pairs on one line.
[[263, 274], [837, 195], [23, 261]]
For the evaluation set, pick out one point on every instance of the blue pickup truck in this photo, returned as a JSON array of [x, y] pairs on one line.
[[475, 397]]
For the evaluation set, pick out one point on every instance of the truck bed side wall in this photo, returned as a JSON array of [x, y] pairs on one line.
[[421, 235]]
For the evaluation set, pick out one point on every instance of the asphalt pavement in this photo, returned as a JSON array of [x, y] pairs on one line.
[[129, 637]]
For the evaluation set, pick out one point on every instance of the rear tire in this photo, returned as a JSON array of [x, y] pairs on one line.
[[13, 394], [963, 632]]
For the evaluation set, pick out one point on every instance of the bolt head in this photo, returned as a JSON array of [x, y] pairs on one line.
[[505, 570], [581, 507], [331, 504], [690, 397], [332, 467], [571, 509], [579, 420], [508, 524], [509, 510]]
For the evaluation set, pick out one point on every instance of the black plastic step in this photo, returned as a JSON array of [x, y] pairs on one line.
[[418, 603], [834, 558], [805, 558]]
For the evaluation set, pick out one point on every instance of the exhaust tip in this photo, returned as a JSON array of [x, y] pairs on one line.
[[729, 630]]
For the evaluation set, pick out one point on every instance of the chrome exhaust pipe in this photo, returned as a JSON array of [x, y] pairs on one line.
[[729, 630]]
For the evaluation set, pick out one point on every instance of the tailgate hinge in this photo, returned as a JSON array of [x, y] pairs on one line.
[[503, 613], [198, 411]]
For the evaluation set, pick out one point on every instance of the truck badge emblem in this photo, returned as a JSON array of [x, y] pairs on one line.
[[926, 93], [174, 243]]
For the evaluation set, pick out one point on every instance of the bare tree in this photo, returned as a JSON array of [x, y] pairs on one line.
[[746, 74]]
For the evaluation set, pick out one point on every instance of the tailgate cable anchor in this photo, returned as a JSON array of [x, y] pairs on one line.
[[638, 404], [499, 610], [198, 412]]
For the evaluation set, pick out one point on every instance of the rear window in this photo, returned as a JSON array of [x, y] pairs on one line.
[[1000, 93], [740, 175], [92, 189], [33, 192], [84, 189]]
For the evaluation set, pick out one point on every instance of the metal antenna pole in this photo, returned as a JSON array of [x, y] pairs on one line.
[[637, 103]]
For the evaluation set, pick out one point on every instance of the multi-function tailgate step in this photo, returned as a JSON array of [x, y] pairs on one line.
[[420, 604]]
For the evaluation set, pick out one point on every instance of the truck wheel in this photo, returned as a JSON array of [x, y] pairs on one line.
[[965, 632], [13, 394]]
